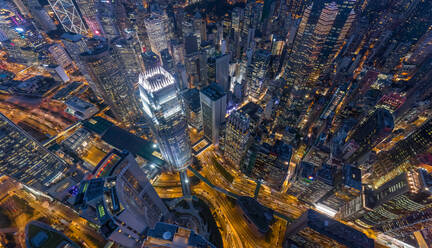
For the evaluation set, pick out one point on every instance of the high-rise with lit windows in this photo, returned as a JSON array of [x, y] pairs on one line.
[[163, 110]]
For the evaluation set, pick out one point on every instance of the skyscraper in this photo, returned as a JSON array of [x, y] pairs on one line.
[[26, 160], [213, 108], [163, 110], [156, 31], [120, 199], [89, 13], [322, 30], [237, 136], [111, 83], [256, 73], [68, 15], [222, 71]]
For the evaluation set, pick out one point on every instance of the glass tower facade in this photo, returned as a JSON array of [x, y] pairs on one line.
[[164, 112]]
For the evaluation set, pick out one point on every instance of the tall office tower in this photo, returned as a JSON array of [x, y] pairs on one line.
[[203, 69], [123, 51], [407, 193], [320, 185], [320, 35], [192, 61], [398, 159], [107, 18], [156, 31], [304, 175], [109, 78], [222, 71], [213, 108], [88, 9], [120, 199], [198, 28], [256, 73], [68, 15], [368, 134], [164, 112], [269, 163], [296, 7], [237, 138], [236, 21], [167, 61], [313, 229], [26, 160], [417, 55], [192, 106], [178, 51]]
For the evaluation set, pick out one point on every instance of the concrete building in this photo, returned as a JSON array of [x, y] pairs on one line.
[[213, 108], [80, 108], [165, 114], [168, 235], [313, 229], [120, 199]]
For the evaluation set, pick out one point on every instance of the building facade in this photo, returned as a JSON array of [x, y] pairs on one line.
[[164, 111]]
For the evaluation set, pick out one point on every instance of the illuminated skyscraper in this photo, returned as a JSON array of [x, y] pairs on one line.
[[111, 82], [321, 33], [256, 73], [213, 109], [26, 160], [89, 13], [68, 15], [163, 110], [156, 31], [237, 136]]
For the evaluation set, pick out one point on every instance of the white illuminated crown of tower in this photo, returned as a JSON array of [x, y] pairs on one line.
[[155, 79]]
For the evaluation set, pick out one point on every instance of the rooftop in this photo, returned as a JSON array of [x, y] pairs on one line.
[[170, 232], [192, 98], [155, 79], [337, 231], [213, 91], [259, 215], [77, 103]]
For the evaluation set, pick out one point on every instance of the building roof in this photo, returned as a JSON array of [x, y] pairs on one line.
[[259, 215], [163, 231], [213, 91], [97, 125], [337, 231], [123, 140], [79, 104], [192, 98], [352, 177], [155, 79]]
